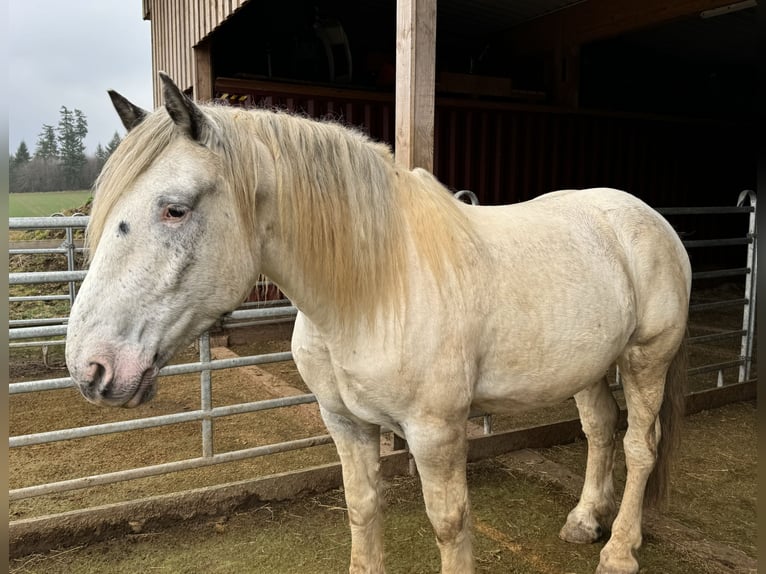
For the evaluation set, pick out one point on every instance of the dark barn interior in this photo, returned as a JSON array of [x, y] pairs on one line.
[[530, 96]]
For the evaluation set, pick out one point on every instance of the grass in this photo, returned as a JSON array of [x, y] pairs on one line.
[[43, 204]]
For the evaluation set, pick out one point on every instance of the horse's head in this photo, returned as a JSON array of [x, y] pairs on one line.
[[167, 233]]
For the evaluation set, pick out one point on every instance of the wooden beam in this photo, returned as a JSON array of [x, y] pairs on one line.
[[566, 431], [415, 79], [720, 396], [203, 72], [599, 19]]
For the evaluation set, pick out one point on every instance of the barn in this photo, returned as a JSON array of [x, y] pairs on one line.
[[509, 100]]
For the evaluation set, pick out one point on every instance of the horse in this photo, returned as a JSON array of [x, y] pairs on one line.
[[415, 309]]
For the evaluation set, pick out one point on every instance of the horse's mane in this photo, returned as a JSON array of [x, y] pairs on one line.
[[351, 214]]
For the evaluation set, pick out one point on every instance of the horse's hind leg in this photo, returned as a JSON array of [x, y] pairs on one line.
[[358, 446], [595, 511], [643, 368], [440, 452]]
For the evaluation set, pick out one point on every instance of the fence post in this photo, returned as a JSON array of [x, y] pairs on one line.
[[748, 313], [70, 263], [206, 396]]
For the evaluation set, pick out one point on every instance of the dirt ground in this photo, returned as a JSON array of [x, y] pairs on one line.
[[714, 489], [517, 514]]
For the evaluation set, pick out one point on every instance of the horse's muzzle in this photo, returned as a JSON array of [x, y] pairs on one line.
[[103, 383]]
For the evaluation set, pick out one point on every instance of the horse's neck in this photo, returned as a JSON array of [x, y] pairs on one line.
[[284, 264], [334, 279]]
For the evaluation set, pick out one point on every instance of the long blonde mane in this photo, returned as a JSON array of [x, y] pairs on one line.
[[353, 217]]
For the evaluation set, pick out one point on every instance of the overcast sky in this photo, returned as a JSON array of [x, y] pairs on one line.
[[69, 53]]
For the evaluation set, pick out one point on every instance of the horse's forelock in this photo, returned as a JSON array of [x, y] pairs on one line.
[[140, 147]]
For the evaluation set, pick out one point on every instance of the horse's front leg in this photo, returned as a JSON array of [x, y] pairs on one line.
[[358, 445], [440, 451]]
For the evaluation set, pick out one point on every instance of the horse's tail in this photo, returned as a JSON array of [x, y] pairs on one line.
[[671, 416]]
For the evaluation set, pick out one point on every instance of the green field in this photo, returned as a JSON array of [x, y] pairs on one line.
[[44, 204]]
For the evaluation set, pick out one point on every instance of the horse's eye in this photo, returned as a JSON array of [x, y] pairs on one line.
[[174, 212]]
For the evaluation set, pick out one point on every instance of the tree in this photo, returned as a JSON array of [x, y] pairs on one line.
[[59, 160], [72, 129], [101, 154], [47, 148], [22, 155], [17, 164], [90, 171], [112, 145]]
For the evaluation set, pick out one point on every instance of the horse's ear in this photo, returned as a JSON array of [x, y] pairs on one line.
[[189, 118], [130, 114]]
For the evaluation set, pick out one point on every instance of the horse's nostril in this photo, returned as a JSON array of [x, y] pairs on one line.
[[99, 374], [95, 373]]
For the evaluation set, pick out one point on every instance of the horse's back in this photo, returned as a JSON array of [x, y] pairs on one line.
[[587, 236], [589, 225]]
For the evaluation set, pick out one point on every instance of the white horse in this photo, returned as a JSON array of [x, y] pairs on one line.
[[414, 308]]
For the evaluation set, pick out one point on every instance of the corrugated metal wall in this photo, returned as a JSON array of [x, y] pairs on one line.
[[177, 26]]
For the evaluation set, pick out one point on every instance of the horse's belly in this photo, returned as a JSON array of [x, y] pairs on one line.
[[505, 385], [524, 393], [545, 352]]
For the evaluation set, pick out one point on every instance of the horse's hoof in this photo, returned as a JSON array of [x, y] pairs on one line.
[[627, 566], [579, 533], [607, 570]]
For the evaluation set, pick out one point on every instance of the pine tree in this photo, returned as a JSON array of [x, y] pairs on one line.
[[72, 129], [101, 154], [47, 146], [112, 145], [22, 155]]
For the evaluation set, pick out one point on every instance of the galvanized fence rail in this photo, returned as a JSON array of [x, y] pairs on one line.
[[48, 332], [69, 249], [746, 204]]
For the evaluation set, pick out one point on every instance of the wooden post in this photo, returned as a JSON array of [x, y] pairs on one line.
[[566, 80], [203, 72], [415, 79]]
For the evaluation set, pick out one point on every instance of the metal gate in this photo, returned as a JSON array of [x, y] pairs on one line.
[[50, 330]]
